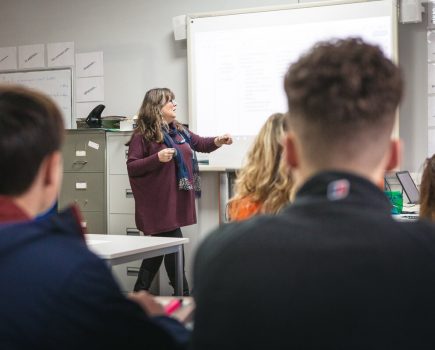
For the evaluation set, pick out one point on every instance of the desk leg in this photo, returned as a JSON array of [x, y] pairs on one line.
[[179, 271]]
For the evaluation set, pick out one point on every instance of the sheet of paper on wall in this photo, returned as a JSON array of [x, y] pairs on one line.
[[8, 58], [431, 46], [431, 111], [90, 89], [89, 64], [430, 12], [31, 56], [60, 54], [431, 142], [431, 78]]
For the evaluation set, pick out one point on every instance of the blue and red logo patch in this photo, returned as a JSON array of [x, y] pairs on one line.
[[338, 189]]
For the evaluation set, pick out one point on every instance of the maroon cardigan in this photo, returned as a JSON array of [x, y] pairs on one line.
[[159, 205]]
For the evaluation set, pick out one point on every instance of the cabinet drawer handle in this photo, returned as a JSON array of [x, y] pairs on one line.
[[132, 231], [126, 153], [82, 162], [128, 193], [132, 271]]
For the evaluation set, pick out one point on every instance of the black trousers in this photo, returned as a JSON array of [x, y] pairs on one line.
[[149, 267]]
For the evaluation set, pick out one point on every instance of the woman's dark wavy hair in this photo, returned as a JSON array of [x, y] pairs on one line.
[[150, 123]]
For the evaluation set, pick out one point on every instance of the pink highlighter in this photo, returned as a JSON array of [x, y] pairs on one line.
[[173, 306]]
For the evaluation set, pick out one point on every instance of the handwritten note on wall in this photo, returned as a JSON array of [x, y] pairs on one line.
[[31, 56], [89, 64], [90, 89], [60, 54], [8, 58], [90, 81], [55, 83]]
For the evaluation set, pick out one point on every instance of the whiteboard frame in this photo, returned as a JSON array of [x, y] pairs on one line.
[[71, 71], [394, 44]]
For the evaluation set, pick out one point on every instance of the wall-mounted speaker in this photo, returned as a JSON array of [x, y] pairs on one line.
[[179, 26]]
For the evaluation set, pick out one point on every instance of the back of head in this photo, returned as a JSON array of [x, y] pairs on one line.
[[342, 98], [427, 190], [31, 128]]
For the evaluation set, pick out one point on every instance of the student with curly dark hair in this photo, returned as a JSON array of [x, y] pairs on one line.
[[333, 270]]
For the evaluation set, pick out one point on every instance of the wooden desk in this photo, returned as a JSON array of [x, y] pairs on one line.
[[119, 249]]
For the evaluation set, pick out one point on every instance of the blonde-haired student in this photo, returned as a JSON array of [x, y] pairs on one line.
[[264, 184]]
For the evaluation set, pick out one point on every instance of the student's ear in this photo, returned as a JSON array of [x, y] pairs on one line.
[[395, 153], [291, 154], [53, 172]]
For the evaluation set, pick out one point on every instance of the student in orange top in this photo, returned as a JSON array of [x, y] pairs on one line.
[[264, 184], [427, 190]]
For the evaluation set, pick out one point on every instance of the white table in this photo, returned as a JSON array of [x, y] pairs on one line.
[[119, 249]]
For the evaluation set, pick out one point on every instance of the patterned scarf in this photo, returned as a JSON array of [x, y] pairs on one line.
[[184, 183]]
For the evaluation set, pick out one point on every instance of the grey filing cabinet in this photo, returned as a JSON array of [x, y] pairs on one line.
[[120, 205], [84, 178]]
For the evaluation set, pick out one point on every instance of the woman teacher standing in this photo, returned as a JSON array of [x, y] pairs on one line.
[[164, 177]]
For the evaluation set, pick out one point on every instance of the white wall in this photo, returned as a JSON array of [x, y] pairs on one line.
[[413, 112]]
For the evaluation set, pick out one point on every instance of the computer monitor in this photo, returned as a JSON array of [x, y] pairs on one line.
[[409, 186]]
